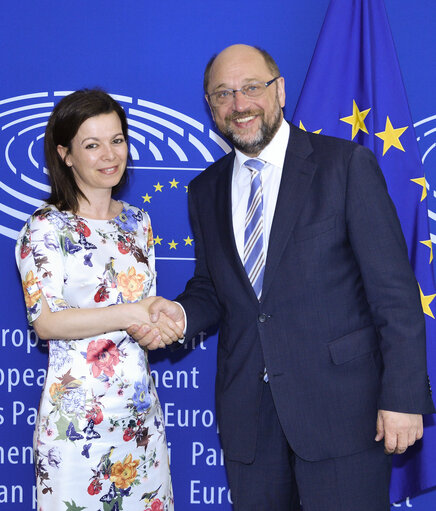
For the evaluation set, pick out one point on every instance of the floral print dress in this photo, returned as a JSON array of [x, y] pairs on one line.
[[99, 441]]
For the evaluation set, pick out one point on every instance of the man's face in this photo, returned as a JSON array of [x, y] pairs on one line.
[[249, 123]]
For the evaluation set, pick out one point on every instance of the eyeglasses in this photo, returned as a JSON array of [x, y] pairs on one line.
[[251, 90]]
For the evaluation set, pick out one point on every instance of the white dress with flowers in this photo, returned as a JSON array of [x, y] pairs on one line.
[[99, 440]]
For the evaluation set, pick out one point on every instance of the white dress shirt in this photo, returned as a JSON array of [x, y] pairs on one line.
[[274, 156]]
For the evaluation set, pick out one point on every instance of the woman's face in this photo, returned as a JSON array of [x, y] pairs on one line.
[[98, 155]]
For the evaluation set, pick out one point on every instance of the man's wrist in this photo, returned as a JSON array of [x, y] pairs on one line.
[[182, 340]]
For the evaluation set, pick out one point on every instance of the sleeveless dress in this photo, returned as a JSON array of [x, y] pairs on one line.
[[99, 441]]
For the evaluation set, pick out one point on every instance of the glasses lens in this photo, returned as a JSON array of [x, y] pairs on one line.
[[221, 97], [253, 90]]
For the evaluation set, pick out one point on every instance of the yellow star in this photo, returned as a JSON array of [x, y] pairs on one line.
[[173, 183], [158, 187], [391, 136], [428, 244], [146, 197], [421, 181], [173, 245], [357, 120], [157, 240], [188, 241], [425, 302], [303, 128], [186, 188]]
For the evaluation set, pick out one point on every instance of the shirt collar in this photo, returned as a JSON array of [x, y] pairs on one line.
[[274, 153]]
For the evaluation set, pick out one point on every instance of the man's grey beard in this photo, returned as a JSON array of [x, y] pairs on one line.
[[263, 137]]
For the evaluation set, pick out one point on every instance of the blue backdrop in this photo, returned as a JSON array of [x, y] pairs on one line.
[[152, 55]]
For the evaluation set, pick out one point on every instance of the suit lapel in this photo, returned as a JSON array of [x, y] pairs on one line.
[[225, 223], [295, 183]]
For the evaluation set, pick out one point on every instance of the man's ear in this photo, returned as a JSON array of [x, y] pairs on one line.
[[281, 91], [210, 107]]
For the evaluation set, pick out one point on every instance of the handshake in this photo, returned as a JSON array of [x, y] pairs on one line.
[[162, 324]]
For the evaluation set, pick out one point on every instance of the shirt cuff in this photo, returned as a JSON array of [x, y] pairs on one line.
[[181, 341]]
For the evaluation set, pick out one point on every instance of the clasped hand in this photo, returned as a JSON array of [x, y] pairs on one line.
[[162, 324]]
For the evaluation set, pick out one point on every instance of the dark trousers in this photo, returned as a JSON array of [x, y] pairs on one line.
[[278, 480]]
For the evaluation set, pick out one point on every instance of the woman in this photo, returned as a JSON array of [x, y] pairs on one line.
[[99, 441]]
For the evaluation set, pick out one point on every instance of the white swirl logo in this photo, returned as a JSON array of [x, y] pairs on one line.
[[160, 138], [426, 135]]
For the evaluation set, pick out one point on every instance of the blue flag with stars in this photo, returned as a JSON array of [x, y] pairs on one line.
[[354, 90]]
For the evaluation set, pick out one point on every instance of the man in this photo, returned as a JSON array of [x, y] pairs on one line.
[[321, 351]]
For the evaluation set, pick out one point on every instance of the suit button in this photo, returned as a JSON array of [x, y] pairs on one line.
[[262, 318]]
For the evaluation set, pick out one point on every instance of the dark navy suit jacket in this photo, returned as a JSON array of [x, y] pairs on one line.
[[339, 328]]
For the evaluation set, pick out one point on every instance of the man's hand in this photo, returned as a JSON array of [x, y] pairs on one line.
[[400, 430], [167, 325], [171, 309]]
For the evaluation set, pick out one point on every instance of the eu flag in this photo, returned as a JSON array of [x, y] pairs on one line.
[[354, 90]]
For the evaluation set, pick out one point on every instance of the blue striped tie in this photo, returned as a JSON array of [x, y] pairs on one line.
[[254, 255]]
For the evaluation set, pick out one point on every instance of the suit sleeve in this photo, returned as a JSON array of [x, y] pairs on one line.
[[378, 244], [199, 298]]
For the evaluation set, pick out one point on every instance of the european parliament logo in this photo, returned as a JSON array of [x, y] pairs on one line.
[[426, 135], [168, 149]]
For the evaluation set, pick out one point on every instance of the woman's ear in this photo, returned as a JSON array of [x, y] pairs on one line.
[[64, 154]]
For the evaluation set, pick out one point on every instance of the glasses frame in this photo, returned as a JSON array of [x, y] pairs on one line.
[[241, 90]]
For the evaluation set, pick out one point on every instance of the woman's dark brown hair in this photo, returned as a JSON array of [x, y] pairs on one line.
[[64, 122]]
